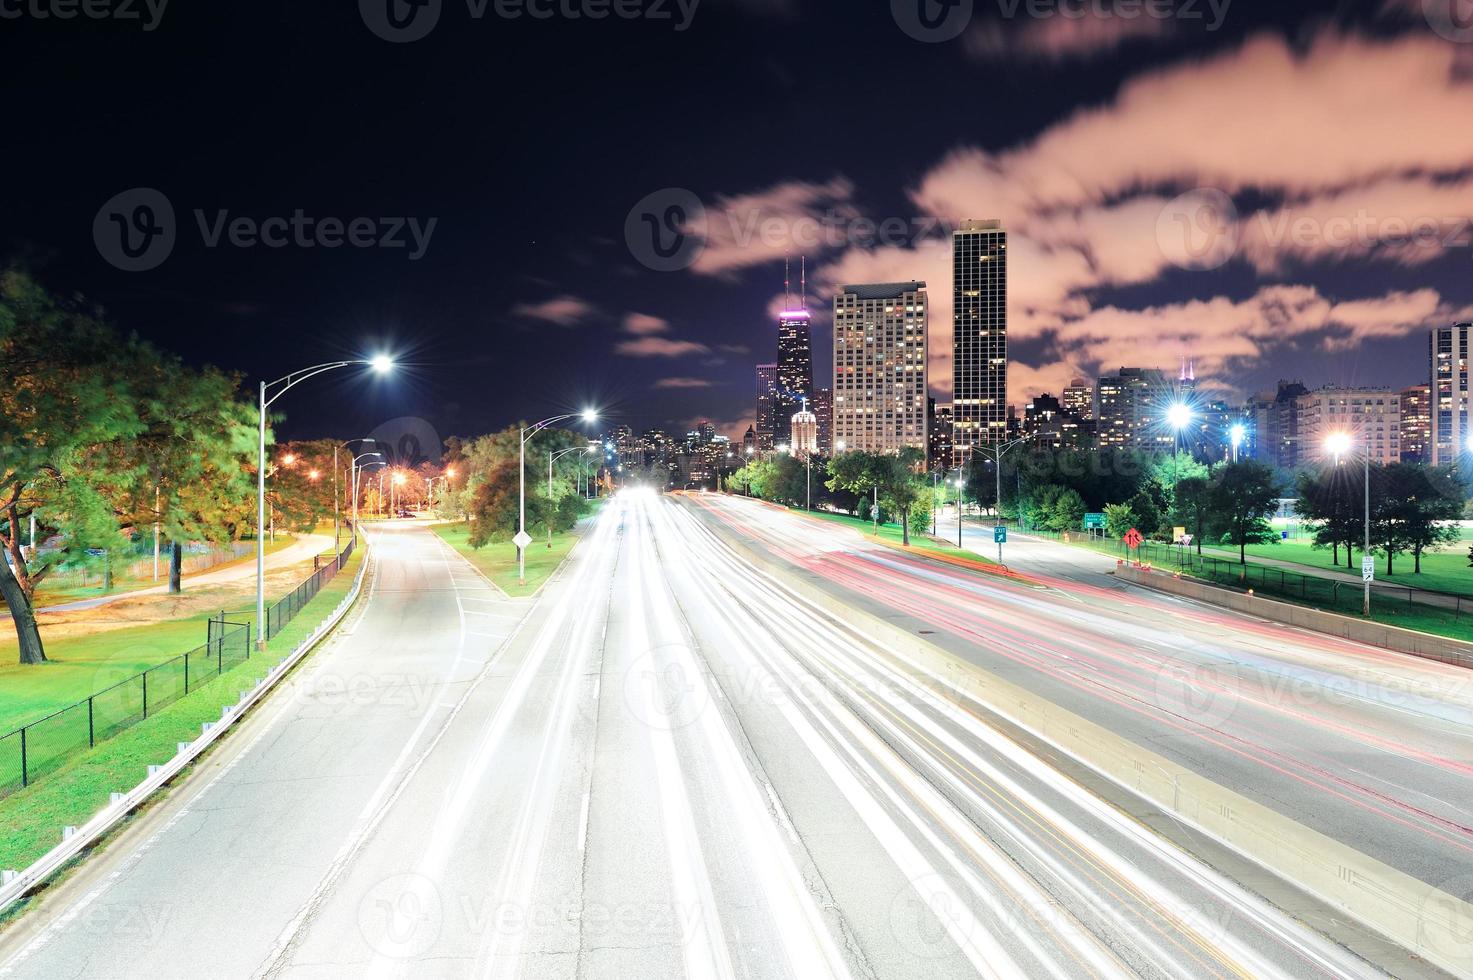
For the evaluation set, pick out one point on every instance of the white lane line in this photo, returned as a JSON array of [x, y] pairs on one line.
[[583, 822]]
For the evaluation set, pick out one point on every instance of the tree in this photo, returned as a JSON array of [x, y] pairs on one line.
[[1418, 510], [1147, 510], [893, 477], [1244, 496], [1193, 505], [1119, 519], [67, 415]]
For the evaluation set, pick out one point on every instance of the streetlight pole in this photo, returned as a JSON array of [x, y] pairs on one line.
[[558, 455], [381, 365], [1365, 608], [994, 453], [526, 433]]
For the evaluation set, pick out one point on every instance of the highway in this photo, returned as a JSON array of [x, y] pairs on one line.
[[668, 765]]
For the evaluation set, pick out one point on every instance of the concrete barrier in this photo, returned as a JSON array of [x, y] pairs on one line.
[[1425, 920], [1423, 645]]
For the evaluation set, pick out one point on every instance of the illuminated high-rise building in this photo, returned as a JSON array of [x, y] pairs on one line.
[[794, 357], [880, 366], [766, 406], [979, 402], [823, 407], [1449, 392], [804, 431], [1079, 399]]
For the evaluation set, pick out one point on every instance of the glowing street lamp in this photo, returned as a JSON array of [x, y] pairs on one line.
[[1338, 444], [1238, 434], [1178, 416], [380, 364]]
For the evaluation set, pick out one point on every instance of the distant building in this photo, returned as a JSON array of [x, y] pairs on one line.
[[1371, 416], [749, 441], [1048, 423], [794, 358], [1275, 429], [880, 366], [1416, 424], [804, 427], [1079, 399], [766, 406], [1448, 389], [1130, 410], [823, 407], [939, 425], [979, 334]]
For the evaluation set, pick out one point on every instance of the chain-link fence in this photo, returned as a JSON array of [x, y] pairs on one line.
[[281, 613], [44, 745]]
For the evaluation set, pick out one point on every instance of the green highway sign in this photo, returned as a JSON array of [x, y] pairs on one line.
[[1000, 535], [1094, 522]]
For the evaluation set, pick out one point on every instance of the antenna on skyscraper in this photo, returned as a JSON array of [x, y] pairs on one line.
[[803, 267], [787, 282], [1192, 369]]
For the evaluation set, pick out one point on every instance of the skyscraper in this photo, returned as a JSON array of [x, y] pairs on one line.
[[1131, 409], [766, 406], [1372, 417], [940, 435], [794, 357], [804, 431], [1416, 424], [1449, 387], [1079, 399], [979, 339], [880, 366], [823, 407]]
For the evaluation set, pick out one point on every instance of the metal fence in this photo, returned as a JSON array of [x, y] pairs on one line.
[[281, 613], [44, 745], [48, 743]]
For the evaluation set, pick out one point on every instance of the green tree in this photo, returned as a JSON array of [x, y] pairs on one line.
[[893, 476], [1418, 509], [1193, 505], [1119, 519], [1147, 510], [1244, 496], [68, 412]]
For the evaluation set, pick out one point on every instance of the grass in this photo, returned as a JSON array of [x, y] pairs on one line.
[[33, 817], [498, 560], [1442, 571], [891, 533]]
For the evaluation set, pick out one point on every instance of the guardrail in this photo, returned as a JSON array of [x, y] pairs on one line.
[[15, 884]]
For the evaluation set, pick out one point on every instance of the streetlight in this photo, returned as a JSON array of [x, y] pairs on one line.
[[381, 364], [559, 455], [335, 495], [353, 470], [995, 453], [448, 475], [1237, 434], [1178, 416], [1339, 443], [395, 482], [527, 432]]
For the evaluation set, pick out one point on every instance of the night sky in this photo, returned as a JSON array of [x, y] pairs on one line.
[[528, 142]]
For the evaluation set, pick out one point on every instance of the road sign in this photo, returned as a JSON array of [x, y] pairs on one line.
[[1133, 538], [1000, 535], [1094, 522], [522, 540], [1367, 569]]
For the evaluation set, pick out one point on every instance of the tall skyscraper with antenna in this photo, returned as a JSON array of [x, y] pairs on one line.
[[794, 352], [979, 400]]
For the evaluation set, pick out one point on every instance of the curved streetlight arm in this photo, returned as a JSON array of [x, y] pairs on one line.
[[532, 430], [297, 377]]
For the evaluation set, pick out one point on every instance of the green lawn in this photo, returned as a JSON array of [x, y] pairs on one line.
[[33, 817], [1442, 571], [498, 560], [892, 533]]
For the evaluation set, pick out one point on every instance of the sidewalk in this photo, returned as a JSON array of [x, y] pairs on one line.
[[302, 551]]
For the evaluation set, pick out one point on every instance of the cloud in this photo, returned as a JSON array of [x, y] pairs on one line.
[[643, 325], [1061, 37], [565, 311], [659, 347], [790, 219], [665, 383]]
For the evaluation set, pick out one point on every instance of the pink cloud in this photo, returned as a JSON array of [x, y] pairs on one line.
[[659, 347], [1060, 38], [665, 383], [565, 311], [786, 220], [643, 325]]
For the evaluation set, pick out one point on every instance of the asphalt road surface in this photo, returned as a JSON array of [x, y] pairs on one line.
[[667, 766]]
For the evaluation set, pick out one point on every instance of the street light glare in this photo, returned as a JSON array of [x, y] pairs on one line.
[[590, 415], [1238, 434], [1338, 443], [382, 364], [1179, 415]]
